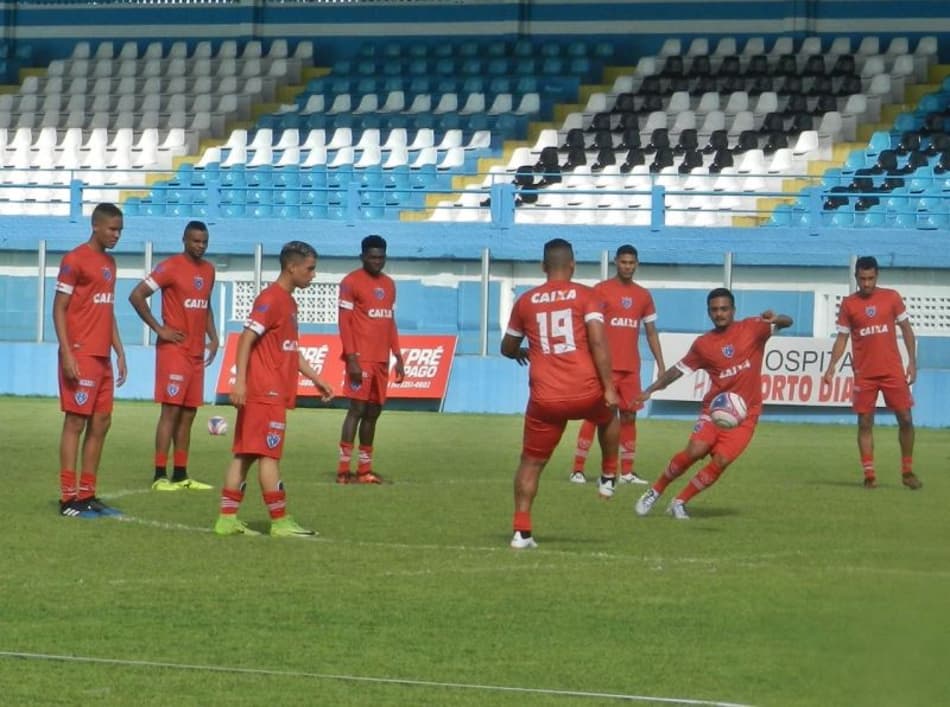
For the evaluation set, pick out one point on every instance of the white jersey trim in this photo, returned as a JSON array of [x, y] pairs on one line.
[[256, 327], [683, 367], [902, 317], [842, 329], [63, 287], [346, 304], [649, 318], [514, 332], [154, 286], [594, 317]]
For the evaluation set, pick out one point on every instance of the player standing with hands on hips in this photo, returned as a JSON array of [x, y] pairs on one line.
[[265, 387], [871, 317], [84, 319], [186, 281], [627, 307], [569, 377], [731, 353], [369, 336]]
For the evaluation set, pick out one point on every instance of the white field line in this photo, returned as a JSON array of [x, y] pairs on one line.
[[656, 562], [365, 679]]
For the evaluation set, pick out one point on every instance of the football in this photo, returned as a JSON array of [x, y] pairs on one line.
[[217, 426], [727, 410]]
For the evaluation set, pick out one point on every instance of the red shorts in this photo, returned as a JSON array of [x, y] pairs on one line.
[[628, 388], [260, 430], [179, 378], [896, 392], [725, 443], [374, 385], [544, 423], [93, 392]]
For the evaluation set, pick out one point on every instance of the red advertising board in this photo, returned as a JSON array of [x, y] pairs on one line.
[[427, 359]]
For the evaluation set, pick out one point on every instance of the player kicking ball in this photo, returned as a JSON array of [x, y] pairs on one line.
[[731, 353]]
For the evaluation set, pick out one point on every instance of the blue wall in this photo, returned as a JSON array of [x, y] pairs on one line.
[[490, 385]]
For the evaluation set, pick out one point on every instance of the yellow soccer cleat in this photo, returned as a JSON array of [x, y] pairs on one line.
[[163, 484], [232, 525], [191, 484]]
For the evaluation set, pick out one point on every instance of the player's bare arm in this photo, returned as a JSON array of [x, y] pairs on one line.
[[511, 348], [910, 343], [396, 352], [837, 351], [600, 353], [653, 341], [139, 301], [663, 380], [779, 321], [239, 389], [213, 344], [66, 358], [121, 369], [307, 370]]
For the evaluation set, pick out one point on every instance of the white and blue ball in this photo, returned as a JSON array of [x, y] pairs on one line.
[[217, 426], [727, 410]]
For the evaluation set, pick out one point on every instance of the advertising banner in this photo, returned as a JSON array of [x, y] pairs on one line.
[[427, 360], [791, 372]]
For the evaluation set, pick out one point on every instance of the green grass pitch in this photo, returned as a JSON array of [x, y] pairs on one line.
[[790, 586]]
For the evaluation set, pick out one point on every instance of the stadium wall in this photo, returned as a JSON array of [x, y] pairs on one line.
[[440, 293], [53, 27]]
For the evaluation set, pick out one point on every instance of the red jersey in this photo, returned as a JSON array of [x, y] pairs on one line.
[[733, 359], [186, 292], [553, 317], [368, 316], [88, 277], [273, 364], [626, 307], [872, 323]]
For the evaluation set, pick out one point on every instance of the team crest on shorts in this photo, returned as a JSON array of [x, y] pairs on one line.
[[870, 310], [81, 397], [728, 351], [272, 440], [172, 389], [198, 282], [626, 302], [379, 293]]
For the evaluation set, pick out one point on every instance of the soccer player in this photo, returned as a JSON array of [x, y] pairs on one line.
[[731, 353], [181, 354], [84, 319], [265, 387], [871, 317], [627, 307], [369, 334], [569, 376]]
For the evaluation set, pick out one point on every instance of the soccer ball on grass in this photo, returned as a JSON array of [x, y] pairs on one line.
[[217, 426], [727, 410]]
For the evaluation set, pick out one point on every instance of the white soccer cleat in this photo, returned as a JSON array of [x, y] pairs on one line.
[[677, 509], [605, 488], [645, 502], [577, 477], [632, 478], [520, 542]]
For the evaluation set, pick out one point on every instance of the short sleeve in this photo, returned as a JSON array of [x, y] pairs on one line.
[[68, 276]]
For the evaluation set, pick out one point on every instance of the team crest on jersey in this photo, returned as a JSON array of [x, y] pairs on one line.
[[199, 282], [172, 389], [379, 293], [728, 351], [272, 440], [107, 274], [870, 310], [81, 397], [626, 302]]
